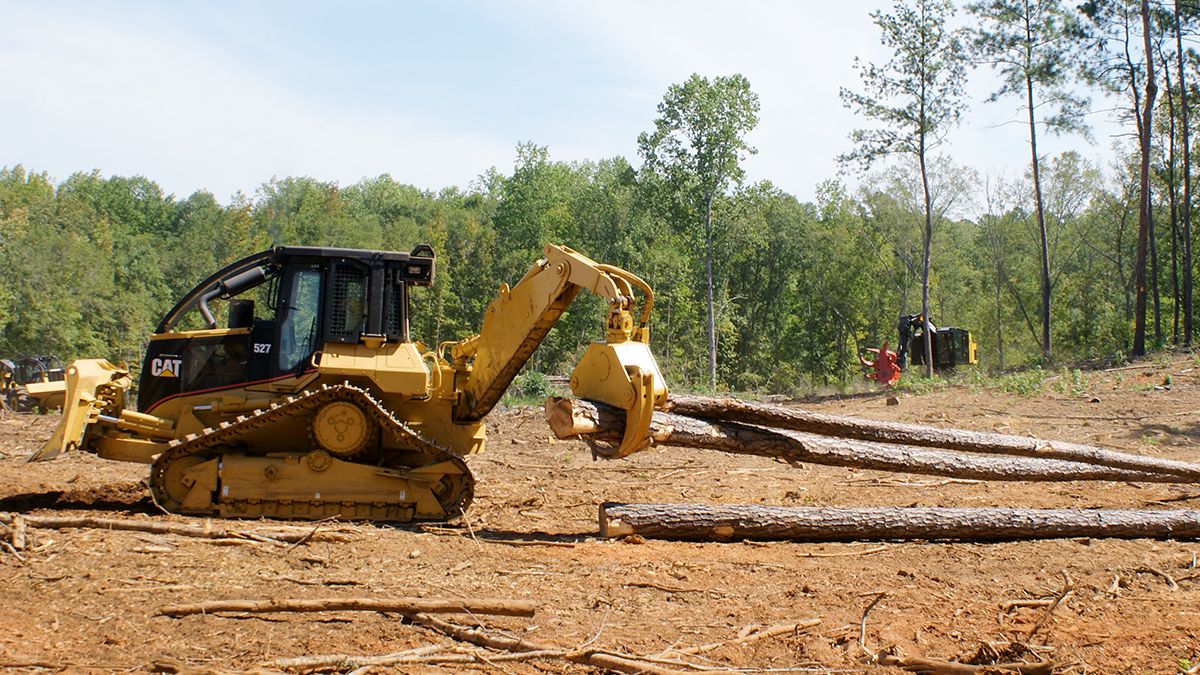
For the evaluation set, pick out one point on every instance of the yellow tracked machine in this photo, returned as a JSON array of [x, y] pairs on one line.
[[316, 401]]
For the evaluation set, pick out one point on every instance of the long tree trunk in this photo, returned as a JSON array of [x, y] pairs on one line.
[[724, 522], [999, 323], [925, 269], [708, 278], [1144, 216], [1041, 216], [718, 409], [1184, 122], [578, 418], [1154, 294], [1172, 197]]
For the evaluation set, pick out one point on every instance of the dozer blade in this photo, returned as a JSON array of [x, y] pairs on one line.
[[624, 375], [90, 384]]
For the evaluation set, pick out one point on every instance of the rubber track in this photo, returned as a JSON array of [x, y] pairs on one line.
[[305, 402]]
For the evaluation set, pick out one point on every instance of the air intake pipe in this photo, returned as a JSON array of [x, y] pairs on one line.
[[228, 288]]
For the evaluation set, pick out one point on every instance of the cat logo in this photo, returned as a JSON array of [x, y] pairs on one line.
[[166, 366]]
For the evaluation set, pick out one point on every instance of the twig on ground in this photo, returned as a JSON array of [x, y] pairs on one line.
[[753, 635], [862, 625], [603, 659], [18, 532], [1171, 584], [663, 587], [467, 522], [596, 636], [347, 661], [204, 531], [940, 667], [317, 526], [845, 554], [1067, 589], [9, 547], [399, 605], [1008, 606]]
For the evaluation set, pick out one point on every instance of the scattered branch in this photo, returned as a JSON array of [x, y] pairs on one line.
[[1067, 589], [207, 530], [398, 605], [939, 667]]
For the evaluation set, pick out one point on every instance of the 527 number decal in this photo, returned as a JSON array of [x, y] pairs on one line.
[[262, 347]]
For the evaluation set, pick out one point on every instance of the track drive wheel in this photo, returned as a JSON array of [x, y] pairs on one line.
[[342, 428]]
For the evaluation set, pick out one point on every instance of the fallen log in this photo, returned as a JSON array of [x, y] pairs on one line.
[[570, 418], [780, 417], [397, 605], [718, 522]]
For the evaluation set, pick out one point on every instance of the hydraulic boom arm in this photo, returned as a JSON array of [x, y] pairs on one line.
[[619, 371]]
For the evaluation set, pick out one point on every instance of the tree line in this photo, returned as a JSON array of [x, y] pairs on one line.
[[755, 289]]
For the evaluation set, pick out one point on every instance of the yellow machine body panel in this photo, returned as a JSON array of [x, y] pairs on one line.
[[395, 368]]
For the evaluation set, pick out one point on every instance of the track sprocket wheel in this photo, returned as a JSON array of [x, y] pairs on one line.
[[342, 428]]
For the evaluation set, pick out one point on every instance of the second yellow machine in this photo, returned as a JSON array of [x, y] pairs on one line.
[[315, 401]]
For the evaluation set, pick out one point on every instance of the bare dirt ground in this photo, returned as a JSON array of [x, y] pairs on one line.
[[86, 600]]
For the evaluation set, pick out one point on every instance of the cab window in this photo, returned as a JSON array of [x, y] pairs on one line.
[[297, 315]]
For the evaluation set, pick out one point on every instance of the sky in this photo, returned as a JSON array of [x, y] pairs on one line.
[[222, 96]]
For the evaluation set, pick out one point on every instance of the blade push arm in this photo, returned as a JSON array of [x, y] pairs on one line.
[[619, 371]]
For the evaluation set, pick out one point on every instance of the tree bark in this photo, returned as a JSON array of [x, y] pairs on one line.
[[761, 414], [1144, 211], [1172, 199], [926, 322], [1041, 212], [1187, 185], [572, 418], [725, 522], [708, 272], [398, 605]]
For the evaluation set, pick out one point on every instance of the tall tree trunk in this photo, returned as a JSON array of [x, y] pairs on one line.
[[999, 324], [1172, 197], [925, 269], [1154, 294], [1187, 185], [1041, 217], [1144, 223], [708, 277]]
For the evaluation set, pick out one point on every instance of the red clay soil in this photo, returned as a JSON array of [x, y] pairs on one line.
[[85, 600]]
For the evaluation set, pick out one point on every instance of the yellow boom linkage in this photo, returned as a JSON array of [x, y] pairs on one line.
[[619, 371]]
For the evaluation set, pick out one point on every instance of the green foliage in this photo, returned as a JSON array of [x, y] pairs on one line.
[[529, 388], [1022, 383], [801, 289], [917, 95], [1070, 382], [917, 385], [693, 154]]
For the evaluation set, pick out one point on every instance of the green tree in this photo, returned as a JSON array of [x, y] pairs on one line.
[[696, 148], [1029, 43], [916, 97], [1116, 64]]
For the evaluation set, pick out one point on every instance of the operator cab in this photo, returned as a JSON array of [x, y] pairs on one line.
[[283, 305]]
